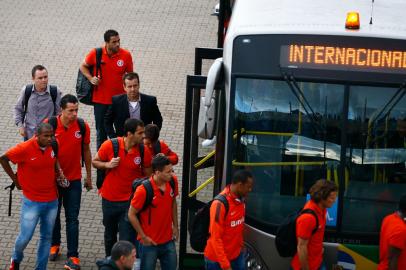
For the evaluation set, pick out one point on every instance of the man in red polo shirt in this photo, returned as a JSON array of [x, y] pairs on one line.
[[36, 168], [71, 140], [117, 186], [157, 225], [392, 244], [309, 254], [115, 62], [224, 246]]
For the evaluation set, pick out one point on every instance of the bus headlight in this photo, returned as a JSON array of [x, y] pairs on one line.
[[253, 259]]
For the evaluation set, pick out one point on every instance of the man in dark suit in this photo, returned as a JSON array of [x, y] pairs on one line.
[[133, 104]]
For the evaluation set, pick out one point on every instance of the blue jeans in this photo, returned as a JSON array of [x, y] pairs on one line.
[[115, 221], [31, 213], [236, 264], [70, 199], [99, 113], [166, 253]]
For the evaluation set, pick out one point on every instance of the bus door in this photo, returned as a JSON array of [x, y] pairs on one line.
[[200, 177]]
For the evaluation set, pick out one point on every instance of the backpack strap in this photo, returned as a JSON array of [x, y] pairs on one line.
[[310, 211], [55, 147], [114, 142], [149, 194], [142, 150], [27, 95], [148, 198], [82, 128], [156, 147], [54, 93], [98, 62], [223, 199]]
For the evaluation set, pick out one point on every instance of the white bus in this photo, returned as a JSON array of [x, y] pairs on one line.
[[312, 91]]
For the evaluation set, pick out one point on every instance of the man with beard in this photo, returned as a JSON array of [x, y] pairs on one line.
[[115, 62]]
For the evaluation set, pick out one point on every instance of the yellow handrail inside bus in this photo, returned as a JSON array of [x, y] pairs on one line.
[[282, 163], [336, 176], [253, 132], [270, 133], [206, 158], [202, 186]]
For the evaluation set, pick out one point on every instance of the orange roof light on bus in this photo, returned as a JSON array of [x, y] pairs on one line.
[[352, 21]]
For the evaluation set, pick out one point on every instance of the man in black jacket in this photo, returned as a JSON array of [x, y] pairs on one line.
[[131, 105], [122, 257]]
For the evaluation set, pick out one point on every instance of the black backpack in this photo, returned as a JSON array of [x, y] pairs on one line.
[[27, 94], [149, 190], [199, 229], [84, 88], [53, 121], [114, 142], [285, 240]]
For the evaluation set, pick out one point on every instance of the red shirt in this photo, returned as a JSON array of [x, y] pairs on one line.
[[305, 225], [70, 148], [393, 233], [226, 233], [112, 70], [35, 169], [156, 221], [172, 156], [117, 185]]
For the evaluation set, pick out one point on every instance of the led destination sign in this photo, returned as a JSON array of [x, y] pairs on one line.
[[343, 58]]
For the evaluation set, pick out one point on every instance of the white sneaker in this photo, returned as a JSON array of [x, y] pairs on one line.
[[208, 142]]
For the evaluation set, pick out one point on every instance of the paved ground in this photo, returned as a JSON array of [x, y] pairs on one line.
[[161, 35]]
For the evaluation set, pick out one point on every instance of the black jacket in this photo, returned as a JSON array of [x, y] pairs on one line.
[[107, 264], [118, 112]]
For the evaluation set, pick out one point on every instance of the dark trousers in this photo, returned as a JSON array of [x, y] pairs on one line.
[[115, 221], [99, 113], [70, 199]]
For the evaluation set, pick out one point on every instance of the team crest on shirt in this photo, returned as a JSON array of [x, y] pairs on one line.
[[137, 160], [52, 154], [120, 63], [78, 135]]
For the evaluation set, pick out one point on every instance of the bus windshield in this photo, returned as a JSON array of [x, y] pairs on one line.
[[291, 134]]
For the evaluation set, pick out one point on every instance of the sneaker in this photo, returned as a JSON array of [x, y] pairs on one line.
[[209, 142], [54, 252], [14, 265], [73, 263]]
